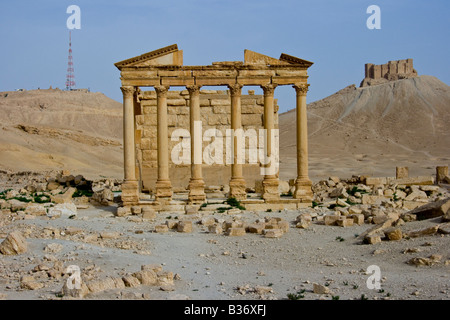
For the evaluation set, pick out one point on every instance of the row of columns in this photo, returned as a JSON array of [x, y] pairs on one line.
[[196, 184]]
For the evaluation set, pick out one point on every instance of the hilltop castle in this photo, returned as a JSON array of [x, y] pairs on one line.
[[391, 71]]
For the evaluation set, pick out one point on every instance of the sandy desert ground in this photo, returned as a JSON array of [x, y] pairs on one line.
[[354, 132]]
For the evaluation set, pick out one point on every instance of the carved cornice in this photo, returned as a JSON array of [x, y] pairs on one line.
[[147, 56], [194, 89], [296, 61], [235, 89], [301, 89], [128, 91], [161, 91], [269, 89]]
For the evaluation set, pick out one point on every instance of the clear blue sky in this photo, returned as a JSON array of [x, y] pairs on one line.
[[332, 34]]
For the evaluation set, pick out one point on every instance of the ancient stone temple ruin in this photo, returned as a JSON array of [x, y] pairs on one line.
[[183, 140], [391, 71]]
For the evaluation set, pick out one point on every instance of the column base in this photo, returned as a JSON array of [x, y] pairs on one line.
[[270, 189], [303, 190], [196, 192], [130, 193], [237, 189], [163, 191]]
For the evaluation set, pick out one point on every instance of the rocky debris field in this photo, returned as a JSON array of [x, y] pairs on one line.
[[64, 237]]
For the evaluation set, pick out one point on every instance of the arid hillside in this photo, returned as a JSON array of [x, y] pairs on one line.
[[372, 130], [368, 130], [44, 130]]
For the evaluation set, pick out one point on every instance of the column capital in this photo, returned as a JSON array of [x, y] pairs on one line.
[[128, 91], [194, 89], [301, 89], [235, 89], [161, 91], [268, 89]]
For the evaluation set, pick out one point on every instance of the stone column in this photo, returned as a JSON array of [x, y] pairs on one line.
[[270, 182], [196, 184], [303, 184], [130, 189], [163, 185], [237, 182]]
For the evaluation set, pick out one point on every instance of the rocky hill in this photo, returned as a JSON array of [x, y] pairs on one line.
[[368, 130], [371, 130], [43, 130]]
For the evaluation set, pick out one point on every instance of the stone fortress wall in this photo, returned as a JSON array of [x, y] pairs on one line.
[[391, 71], [215, 113]]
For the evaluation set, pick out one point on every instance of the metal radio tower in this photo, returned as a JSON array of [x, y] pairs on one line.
[[70, 79]]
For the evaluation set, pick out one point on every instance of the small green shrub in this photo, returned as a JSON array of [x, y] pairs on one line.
[[235, 203], [295, 296]]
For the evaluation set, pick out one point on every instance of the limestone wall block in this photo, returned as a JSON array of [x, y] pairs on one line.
[[218, 119], [176, 102], [251, 119], [222, 109], [149, 110]]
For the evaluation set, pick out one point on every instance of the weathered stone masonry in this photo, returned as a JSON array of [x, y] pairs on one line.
[[214, 113], [391, 71], [151, 116]]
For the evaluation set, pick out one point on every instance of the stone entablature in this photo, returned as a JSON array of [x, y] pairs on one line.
[[163, 69], [391, 71]]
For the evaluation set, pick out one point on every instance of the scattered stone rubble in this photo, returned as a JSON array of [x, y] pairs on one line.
[[55, 194], [149, 275], [385, 203]]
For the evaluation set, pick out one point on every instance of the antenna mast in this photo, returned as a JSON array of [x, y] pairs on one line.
[[70, 78]]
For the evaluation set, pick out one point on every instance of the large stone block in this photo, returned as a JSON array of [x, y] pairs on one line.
[[375, 181], [219, 119], [251, 119], [65, 197], [172, 120], [373, 199], [14, 243], [393, 234], [220, 102], [222, 109], [252, 109], [178, 110], [432, 210], [330, 220], [64, 210], [146, 277], [358, 218], [148, 120], [149, 155], [149, 110], [401, 172], [372, 239], [426, 180], [184, 226], [256, 228], [344, 222], [273, 233], [236, 231], [441, 173]]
